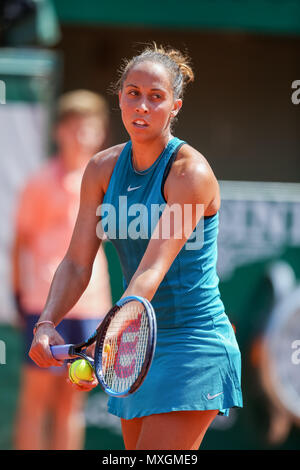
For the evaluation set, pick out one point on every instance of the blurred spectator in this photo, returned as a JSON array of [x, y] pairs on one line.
[[50, 414], [276, 419]]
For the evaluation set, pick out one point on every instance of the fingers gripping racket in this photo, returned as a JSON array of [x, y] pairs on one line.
[[125, 345]]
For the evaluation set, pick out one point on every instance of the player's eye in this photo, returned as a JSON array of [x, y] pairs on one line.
[[133, 92]]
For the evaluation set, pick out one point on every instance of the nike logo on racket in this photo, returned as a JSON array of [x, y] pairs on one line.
[[132, 189], [211, 397]]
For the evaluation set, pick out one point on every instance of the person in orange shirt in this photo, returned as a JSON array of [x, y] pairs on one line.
[[45, 219]]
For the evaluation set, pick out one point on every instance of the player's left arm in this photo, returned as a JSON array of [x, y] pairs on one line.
[[191, 191]]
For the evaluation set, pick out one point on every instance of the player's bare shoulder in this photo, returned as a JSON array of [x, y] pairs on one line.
[[192, 174], [190, 161], [101, 165]]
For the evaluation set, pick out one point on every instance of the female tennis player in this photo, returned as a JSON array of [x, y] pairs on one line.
[[169, 259]]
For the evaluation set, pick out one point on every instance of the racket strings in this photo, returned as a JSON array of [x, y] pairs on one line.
[[125, 347]]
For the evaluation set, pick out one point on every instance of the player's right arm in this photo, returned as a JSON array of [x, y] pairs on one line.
[[73, 273]]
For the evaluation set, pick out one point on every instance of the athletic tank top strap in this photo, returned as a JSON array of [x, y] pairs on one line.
[[169, 164]]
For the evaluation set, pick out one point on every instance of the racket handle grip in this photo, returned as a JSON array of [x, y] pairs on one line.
[[61, 352]]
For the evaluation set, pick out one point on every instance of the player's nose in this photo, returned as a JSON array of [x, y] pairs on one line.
[[142, 107]]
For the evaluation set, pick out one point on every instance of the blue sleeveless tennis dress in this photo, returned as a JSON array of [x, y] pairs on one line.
[[197, 363]]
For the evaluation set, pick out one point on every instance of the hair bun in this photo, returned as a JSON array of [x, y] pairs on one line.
[[182, 60], [176, 62]]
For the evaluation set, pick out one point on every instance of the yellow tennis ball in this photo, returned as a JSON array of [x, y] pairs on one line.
[[81, 370], [107, 348]]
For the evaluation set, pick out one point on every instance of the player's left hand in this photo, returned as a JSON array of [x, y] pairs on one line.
[[83, 385]]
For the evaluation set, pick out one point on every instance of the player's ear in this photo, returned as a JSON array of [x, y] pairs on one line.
[[176, 107]]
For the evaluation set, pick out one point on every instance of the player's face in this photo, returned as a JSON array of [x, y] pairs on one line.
[[147, 102]]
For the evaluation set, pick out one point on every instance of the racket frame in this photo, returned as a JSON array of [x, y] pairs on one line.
[[149, 351]]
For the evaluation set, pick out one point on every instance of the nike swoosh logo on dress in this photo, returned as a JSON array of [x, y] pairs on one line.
[[132, 189], [210, 397]]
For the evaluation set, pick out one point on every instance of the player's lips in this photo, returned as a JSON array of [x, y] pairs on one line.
[[140, 123]]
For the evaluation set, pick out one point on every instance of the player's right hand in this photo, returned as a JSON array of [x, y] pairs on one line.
[[40, 352]]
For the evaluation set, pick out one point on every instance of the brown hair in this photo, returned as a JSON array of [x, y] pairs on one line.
[[177, 64], [83, 102]]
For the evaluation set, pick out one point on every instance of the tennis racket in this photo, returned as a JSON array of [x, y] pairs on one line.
[[125, 345]]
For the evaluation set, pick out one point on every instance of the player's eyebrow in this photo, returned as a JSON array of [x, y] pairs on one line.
[[135, 86]]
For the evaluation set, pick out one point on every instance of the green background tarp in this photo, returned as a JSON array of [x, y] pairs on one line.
[[265, 16]]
